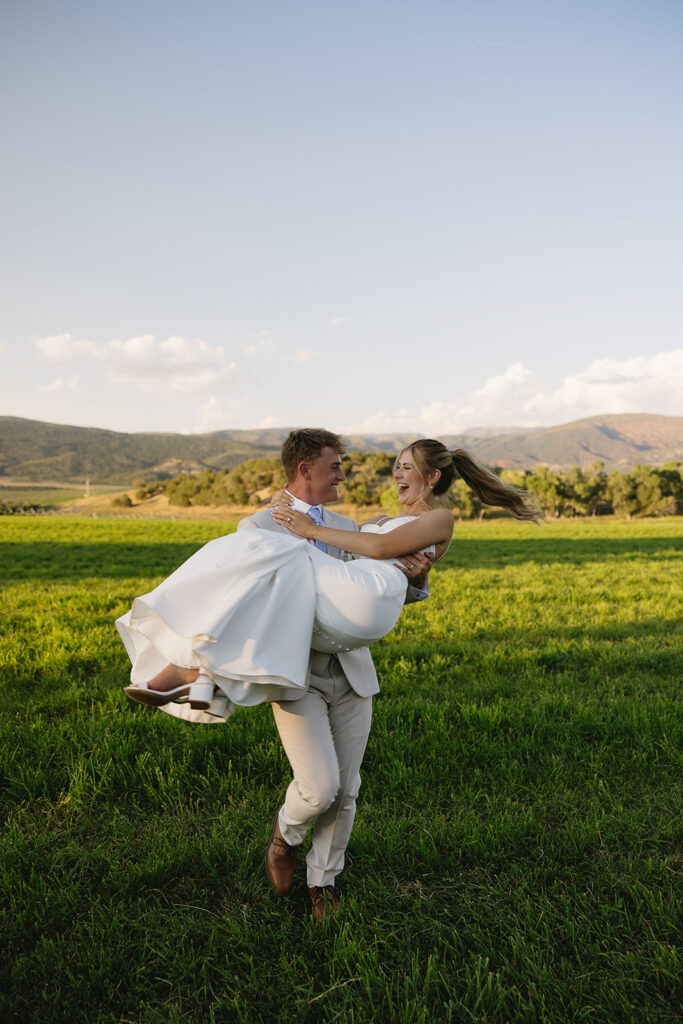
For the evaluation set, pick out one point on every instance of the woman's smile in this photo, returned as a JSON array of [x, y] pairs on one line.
[[408, 479]]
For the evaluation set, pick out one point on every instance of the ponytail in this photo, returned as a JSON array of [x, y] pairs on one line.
[[491, 489], [431, 455]]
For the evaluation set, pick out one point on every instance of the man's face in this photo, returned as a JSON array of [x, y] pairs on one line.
[[323, 476]]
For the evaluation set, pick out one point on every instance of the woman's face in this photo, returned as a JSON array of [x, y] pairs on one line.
[[411, 486]]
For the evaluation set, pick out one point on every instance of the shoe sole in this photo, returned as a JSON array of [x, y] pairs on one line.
[[155, 699]]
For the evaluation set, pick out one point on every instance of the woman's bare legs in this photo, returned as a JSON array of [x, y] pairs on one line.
[[171, 677]]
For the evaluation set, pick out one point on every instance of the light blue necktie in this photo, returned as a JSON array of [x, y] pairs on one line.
[[317, 517]]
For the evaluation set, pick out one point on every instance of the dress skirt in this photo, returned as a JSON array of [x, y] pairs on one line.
[[247, 608]]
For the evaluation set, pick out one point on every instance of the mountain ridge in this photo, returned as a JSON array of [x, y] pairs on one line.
[[34, 450]]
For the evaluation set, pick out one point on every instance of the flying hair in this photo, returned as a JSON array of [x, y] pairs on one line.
[[430, 455]]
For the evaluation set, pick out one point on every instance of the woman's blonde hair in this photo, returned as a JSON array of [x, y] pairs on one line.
[[431, 455]]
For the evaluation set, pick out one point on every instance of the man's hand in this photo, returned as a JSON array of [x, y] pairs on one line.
[[416, 567]]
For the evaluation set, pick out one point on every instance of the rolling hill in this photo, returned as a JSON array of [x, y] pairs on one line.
[[32, 450], [620, 441]]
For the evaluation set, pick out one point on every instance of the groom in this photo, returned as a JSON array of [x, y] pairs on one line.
[[324, 731]]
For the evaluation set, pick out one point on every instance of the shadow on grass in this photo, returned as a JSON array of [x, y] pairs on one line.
[[69, 562], [484, 553], [115, 560], [649, 650]]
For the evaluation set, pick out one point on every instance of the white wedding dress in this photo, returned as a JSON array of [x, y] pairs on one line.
[[247, 608]]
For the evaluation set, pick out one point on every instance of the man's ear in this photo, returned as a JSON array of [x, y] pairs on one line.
[[304, 470]]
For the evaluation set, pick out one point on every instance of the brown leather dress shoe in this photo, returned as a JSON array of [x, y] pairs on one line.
[[280, 861], [324, 901]]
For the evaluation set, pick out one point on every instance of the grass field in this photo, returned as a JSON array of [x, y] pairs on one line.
[[516, 855]]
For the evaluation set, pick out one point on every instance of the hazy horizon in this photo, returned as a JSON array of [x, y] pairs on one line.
[[481, 430]]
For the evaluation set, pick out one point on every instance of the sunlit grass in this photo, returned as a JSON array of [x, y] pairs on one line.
[[516, 855], [47, 494]]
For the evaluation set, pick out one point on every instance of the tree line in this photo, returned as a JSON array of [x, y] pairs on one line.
[[640, 491]]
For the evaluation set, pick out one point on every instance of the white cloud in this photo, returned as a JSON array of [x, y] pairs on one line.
[[641, 384], [337, 321], [175, 365], [300, 357], [517, 398], [59, 384], [214, 415], [259, 343], [210, 416], [62, 348]]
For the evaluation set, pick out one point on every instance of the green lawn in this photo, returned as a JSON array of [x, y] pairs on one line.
[[516, 855]]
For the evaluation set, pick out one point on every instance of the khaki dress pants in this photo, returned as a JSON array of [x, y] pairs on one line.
[[324, 735]]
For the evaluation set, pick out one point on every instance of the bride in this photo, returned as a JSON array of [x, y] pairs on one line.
[[235, 623]]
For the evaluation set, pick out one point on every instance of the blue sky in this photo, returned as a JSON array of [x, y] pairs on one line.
[[373, 216]]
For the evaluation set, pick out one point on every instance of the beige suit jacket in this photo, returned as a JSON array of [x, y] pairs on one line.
[[357, 665]]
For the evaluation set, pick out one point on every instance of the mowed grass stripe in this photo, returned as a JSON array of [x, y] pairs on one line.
[[516, 855]]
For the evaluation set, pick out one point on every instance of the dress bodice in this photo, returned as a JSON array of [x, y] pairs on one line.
[[391, 524]]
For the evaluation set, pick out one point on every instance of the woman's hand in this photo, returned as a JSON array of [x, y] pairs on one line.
[[298, 522], [280, 498]]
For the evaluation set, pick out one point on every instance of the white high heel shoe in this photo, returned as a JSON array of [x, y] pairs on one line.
[[198, 694]]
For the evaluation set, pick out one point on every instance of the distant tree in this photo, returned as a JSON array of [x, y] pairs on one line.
[[547, 488], [204, 496], [517, 477], [181, 489], [367, 474], [644, 490], [145, 489], [464, 502], [622, 492], [378, 465], [671, 483], [388, 499], [122, 501], [595, 487], [257, 475], [238, 493], [359, 492], [648, 490], [580, 490]]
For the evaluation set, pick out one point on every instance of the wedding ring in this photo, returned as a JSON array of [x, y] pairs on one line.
[[289, 519]]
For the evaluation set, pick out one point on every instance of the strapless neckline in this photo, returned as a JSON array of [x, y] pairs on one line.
[[387, 525]]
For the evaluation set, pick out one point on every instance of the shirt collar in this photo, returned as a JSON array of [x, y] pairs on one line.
[[302, 506]]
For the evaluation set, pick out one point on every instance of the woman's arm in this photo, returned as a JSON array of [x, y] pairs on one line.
[[282, 498], [434, 527]]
